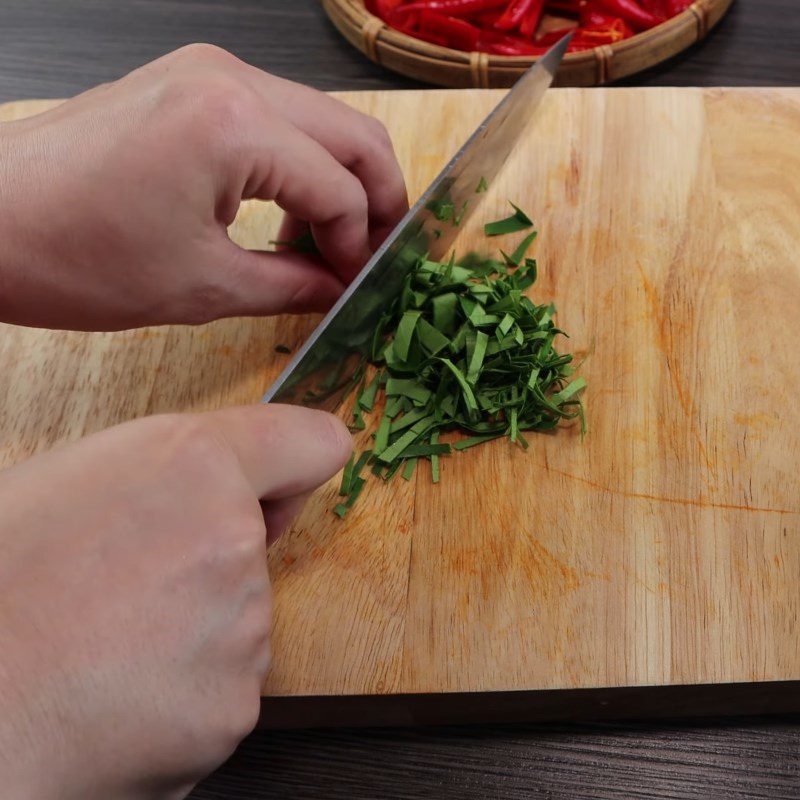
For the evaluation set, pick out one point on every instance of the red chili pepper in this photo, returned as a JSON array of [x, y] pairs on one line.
[[509, 27], [503, 44], [407, 23], [591, 16], [514, 13], [675, 7], [631, 12], [656, 7], [566, 6], [596, 35], [516, 49], [456, 32], [382, 8], [486, 19], [530, 22], [453, 8]]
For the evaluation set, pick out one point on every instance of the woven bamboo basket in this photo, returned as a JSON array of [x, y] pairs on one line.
[[446, 67]]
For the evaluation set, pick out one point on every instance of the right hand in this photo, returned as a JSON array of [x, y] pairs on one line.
[[134, 596]]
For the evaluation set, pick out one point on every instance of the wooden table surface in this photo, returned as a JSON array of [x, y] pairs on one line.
[[51, 48]]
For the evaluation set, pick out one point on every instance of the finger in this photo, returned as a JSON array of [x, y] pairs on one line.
[[306, 181], [280, 514], [284, 451], [285, 282], [355, 140]]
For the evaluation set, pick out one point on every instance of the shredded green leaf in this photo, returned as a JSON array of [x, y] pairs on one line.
[[518, 221], [304, 243], [435, 468], [463, 349], [408, 469]]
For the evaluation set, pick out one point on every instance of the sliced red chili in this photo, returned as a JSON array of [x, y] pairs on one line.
[[486, 19], [509, 27], [530, 22], [675, 7], [503, 44], [631, 12], [596, 35], [458, 33], [573, 7], [656, 7], [591, 16], [457, 8], [513, 14]]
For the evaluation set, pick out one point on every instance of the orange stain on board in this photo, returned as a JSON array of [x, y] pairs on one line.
[[699, 502], [759, 419], [547, 566], [664, 343]]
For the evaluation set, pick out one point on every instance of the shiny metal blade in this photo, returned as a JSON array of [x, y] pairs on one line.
[[322, 370]]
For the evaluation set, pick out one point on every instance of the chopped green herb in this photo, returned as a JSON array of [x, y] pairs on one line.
[[366, 399], [482, 186], [443, 209], [462, 349], [408, 469], [347, 476], [518, 221], [517, 256], [304, 243], [382, 436], [435, 468], [426, 450], [473, 441]]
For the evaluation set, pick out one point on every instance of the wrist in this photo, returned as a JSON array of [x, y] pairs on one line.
[[19, 746]]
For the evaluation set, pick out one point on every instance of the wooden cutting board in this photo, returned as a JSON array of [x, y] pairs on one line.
[[653, 567]]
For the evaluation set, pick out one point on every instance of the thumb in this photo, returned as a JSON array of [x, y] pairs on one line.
[[284, 451], [264, 283]]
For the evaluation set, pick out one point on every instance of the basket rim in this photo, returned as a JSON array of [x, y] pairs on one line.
[[692, 16]]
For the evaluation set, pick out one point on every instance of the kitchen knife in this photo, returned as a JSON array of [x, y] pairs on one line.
[[323, 370]]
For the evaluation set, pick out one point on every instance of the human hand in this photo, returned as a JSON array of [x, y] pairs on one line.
[[114, 206], [134, 596]]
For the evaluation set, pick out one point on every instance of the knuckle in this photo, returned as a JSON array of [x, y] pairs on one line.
[[197, 444], [242, 718], [213, 107], [244, 536], [224, 108], [206, 53], [379, 136], [353, 195]]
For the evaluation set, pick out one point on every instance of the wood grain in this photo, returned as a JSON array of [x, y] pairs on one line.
[[712, 761], [663, 548]]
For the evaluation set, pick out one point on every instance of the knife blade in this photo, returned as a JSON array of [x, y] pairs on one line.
[[322, 371]]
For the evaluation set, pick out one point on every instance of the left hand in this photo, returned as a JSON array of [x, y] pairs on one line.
[[114, 206]]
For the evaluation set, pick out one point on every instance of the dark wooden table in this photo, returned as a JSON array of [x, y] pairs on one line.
[[53, 48]]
